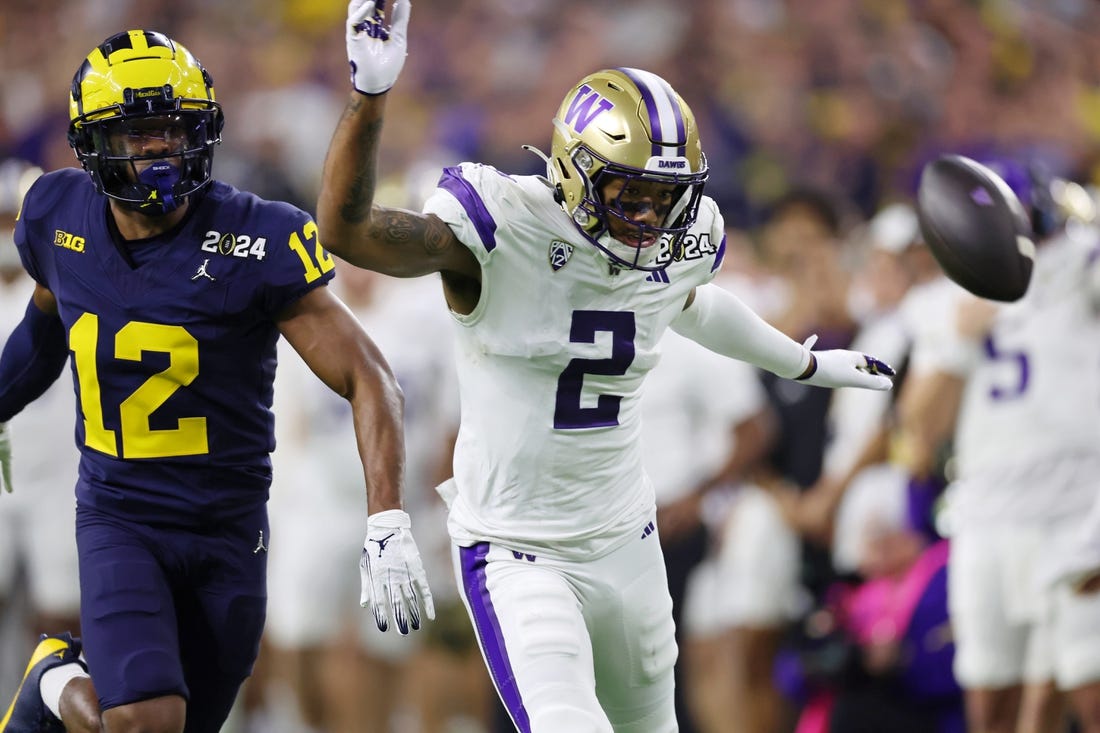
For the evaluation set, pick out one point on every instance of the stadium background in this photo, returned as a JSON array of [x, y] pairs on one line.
[[849, 95]]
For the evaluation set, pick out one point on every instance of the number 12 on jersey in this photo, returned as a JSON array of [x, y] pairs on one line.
[[324, 259], [138, 440]]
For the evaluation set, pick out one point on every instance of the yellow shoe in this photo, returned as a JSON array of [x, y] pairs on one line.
[[28, 714]]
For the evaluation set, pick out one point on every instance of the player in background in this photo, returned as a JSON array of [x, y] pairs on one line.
[[886, 296], [170, 290], [1080, 564], [1026, 428], [704, 425], [347, 676], [37, 547], [888, 599], [561, 289], [802, 244]]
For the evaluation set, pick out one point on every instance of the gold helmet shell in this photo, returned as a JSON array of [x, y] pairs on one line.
[[627, 123]]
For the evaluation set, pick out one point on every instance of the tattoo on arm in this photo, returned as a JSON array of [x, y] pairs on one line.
[[395, 226], [438, 237], [356, 207], [398, 227]]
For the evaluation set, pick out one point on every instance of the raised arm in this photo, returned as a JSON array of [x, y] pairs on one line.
[[391, 241]]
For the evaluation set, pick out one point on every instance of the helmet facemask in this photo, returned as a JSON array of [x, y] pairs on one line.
[[613, 223], [151, 163]]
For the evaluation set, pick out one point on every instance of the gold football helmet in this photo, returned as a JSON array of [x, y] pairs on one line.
[[626, 124], [139, 96]]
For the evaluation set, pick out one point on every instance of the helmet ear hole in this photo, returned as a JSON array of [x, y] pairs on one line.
[[563, 170]]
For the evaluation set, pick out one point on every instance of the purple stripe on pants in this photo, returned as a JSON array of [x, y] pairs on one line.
[[487, 626]]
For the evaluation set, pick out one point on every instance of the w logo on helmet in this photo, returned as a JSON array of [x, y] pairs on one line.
[[580, 113]]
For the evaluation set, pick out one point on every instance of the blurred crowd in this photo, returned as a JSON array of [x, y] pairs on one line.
[[845, 94], [803, 528]]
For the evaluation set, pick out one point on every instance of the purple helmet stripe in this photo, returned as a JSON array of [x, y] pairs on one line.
[[472, 561], [665, 116], [650, 105], [453, 182]]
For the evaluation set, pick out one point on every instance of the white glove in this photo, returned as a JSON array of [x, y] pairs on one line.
[[840, 368], [376, 51], [394, 582], [5, 457]]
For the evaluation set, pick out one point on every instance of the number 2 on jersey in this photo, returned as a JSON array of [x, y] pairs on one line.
[[568, 412], [138, 439]]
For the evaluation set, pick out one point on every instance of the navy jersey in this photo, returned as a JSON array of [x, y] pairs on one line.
[[172, 347]]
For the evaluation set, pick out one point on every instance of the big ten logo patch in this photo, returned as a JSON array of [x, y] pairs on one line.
[[68, 241]]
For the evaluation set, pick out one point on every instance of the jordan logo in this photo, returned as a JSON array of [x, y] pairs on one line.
[[259, 544], [202, 272], [382, 543]]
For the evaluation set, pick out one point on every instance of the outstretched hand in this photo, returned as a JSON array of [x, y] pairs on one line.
[[394, 583], [5, 457], [376, 50], [841, 368]]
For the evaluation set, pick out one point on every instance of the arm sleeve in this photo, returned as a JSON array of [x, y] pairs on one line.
[[718, 320], [32, 360]]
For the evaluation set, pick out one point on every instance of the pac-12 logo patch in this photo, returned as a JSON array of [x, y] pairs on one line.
[[560, 252]]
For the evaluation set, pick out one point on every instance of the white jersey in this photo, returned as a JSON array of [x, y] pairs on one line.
[[693, 401], [550, 368], [928, 315], [316, 442], [36, 521], [855, 415], [318, 502], [42, 434], [1027, 440]]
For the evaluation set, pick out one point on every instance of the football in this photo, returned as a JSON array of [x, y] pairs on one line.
[[976, 227]]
